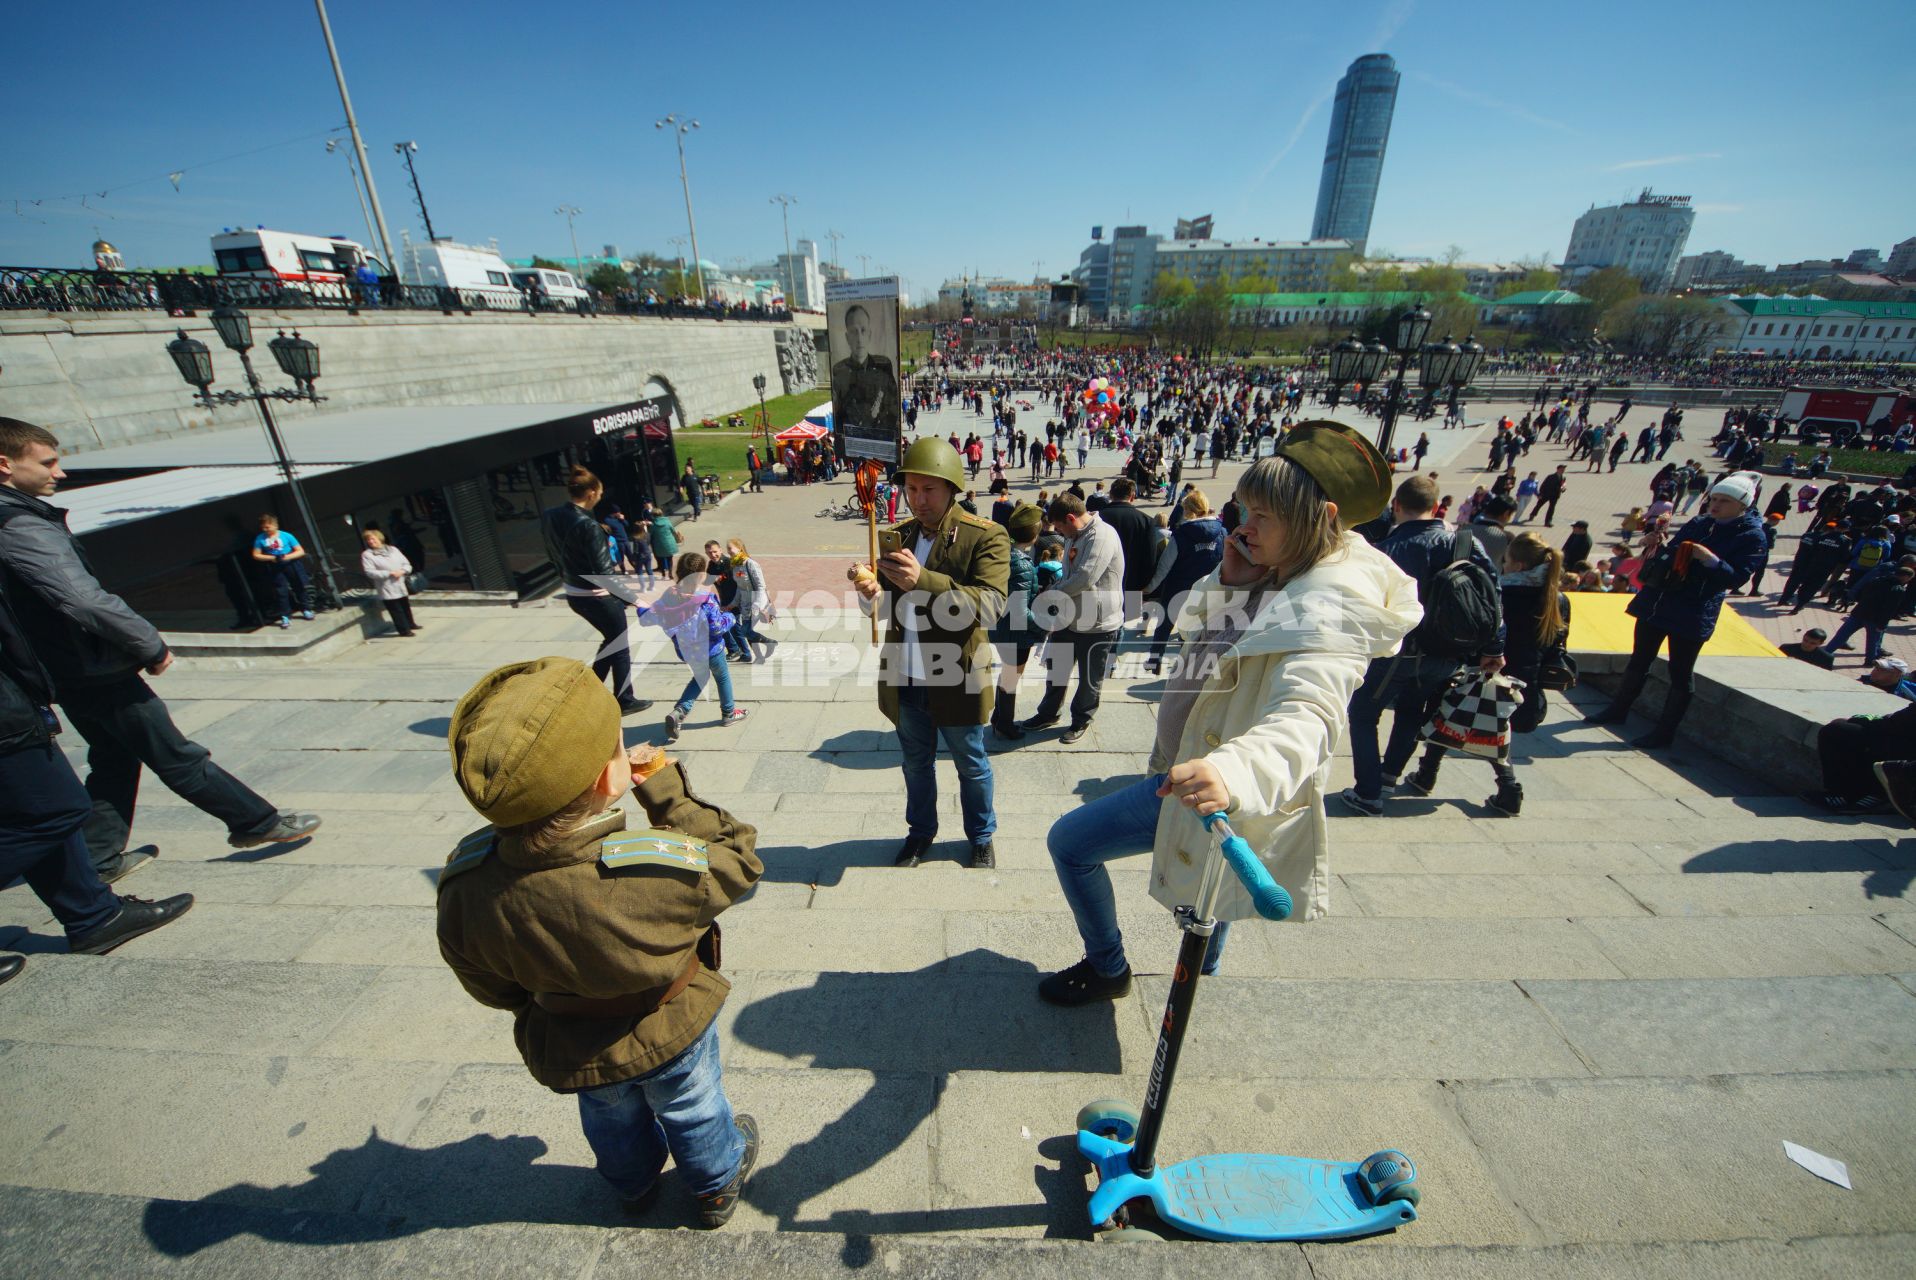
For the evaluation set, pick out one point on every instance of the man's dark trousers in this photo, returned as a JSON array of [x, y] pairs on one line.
[[1091, 653], [1406, 686], [126, 725], [43, 813]]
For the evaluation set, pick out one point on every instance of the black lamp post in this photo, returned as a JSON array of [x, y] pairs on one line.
[[1470, 358], [1346, 357], [298, 359], [1434, 365], [764, 418], [1407, 332]]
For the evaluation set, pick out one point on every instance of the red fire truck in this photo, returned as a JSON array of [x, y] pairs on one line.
[[1832, 410]]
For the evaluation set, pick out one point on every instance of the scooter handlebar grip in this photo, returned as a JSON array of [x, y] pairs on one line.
[[1271, 899]]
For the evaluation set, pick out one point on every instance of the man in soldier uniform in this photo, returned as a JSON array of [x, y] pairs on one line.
[[864, 385], [940, 593], [602, 942]]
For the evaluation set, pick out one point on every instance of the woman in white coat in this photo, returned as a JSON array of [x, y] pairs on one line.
[[386, 567], [1275, 643]]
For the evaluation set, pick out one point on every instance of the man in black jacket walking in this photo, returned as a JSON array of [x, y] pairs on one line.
[[580, 551], [1409, 682], [1137, 535], [43, 815], [1549, 493], [96, 649]]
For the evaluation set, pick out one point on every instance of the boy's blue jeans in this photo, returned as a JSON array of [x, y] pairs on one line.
[[717, 670], [680, 1108], [1081, 842]]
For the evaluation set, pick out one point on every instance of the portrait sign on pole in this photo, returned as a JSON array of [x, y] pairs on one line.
[[861, 324]]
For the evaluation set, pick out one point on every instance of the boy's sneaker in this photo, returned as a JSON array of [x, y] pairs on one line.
[[284, 623], [1081, 984], [733, 716], [672, 722], [1418, 784], [715, 1210], [1358, 804], [306, 614]]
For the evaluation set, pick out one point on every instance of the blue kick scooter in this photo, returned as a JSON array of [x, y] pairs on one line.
[[1229, 1197]]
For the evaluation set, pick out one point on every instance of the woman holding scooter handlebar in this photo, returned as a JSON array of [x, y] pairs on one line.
[[1275, 643]]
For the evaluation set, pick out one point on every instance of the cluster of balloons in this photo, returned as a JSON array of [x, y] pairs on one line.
[[1102, 395]]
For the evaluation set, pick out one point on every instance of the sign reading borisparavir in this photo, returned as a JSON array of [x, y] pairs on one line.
[[655, 415]]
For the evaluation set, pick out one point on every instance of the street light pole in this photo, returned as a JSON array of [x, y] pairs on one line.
[[406, 152], [785, 204], [260, 397], [1409, 330], [679, 129], [359, 145], [834, 237], [572, 211], [332, 148]]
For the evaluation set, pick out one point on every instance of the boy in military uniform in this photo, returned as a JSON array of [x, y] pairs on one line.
[[601, 941]]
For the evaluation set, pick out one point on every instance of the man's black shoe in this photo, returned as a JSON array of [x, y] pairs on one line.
[[1037, 722], [1074, 733], [136, 916], [1899, 783], [632, 706], [715, 1210], [1007, 729], [1081, 984], [10, 967], [288, 826], [912, 852], [130, 860], [983, 856]]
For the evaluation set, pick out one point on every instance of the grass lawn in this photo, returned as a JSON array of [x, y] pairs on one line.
[[722, 450], [1864, 461]]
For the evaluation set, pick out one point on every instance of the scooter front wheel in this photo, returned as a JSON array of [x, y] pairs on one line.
[[1129, 1235], [1111, 1118]]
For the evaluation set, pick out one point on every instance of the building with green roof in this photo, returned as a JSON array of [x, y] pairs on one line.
[[1822, 328], [1279, 309]]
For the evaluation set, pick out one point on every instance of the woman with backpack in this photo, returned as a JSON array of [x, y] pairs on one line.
[[1536, 633]]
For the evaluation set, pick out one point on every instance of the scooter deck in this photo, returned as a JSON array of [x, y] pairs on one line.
[[1244, 1197]]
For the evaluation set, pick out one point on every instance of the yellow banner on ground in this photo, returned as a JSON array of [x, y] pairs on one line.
[[1598, 624]]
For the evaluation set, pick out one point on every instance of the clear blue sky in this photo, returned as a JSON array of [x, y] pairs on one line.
[[944, 138]]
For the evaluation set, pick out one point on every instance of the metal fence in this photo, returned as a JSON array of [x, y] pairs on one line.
[[183, 293]]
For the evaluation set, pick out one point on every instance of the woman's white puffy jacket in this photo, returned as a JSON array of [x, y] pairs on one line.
[[1270, 716]]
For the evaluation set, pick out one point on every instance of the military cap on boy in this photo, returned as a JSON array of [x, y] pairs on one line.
[[529, 738]]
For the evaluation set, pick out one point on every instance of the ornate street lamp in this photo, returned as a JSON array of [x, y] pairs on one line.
[[298, 358], [1345, 359], [235, 328], [1470, 358], [1434, 364], [195, 362], [764, 418], [1409, 330]]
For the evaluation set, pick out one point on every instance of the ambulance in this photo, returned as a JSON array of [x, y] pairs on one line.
[[290, 257]]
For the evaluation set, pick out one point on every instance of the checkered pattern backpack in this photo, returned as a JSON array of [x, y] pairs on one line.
[[1474, 715]]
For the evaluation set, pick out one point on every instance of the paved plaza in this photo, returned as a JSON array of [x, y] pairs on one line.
[[1593, 1026]]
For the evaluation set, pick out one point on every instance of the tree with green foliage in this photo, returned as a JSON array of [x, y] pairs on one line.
[[1669, 328], [609, 278], [547, 263]]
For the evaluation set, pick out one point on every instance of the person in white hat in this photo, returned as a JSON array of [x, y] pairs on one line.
[[1684, 586]]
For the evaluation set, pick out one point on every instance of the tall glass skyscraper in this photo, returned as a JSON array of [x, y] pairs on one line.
[[1354, 157]]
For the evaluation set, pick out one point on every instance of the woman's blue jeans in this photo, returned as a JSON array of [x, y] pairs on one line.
[[1081, 842], [717, 670], [680, 1108]]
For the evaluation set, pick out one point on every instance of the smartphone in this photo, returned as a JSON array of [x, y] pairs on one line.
[[890, 540]]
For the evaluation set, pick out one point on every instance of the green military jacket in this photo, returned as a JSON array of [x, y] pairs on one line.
[[608, 915], [960, 593]]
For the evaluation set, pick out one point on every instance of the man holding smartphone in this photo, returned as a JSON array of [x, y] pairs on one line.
[[939, 583]]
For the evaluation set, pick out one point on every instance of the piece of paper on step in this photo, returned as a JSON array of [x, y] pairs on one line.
[[1819, 1164], [1024, 1131]]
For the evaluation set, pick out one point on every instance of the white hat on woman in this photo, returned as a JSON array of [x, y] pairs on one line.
[[1738, 485]]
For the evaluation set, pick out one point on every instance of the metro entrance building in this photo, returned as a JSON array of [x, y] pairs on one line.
[[168, 523]]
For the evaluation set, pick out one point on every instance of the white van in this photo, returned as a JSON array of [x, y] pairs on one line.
[[316, 266], [553, 290]]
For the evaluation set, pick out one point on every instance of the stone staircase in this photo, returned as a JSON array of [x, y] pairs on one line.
[[1592, 1026]]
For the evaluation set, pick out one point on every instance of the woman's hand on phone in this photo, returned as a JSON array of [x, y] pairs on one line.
[[1237, 568], [1198, 786]]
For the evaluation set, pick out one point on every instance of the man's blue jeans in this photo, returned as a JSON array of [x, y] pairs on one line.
[[918, 740], [1872, 636], [680, 1108], [1404, 685], [717, 670], [1081, 842]]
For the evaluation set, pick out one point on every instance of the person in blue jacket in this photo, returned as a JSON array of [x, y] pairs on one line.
[[1683, 591], [1195, 549]]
